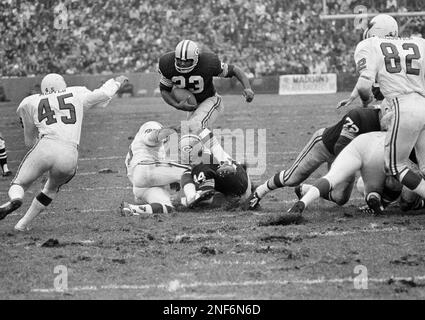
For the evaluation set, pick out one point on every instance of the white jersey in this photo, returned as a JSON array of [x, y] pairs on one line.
[[397, 64], [59, 115], [145, 147]]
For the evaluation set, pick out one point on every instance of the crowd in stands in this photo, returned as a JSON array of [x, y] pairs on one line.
[[264, 37]]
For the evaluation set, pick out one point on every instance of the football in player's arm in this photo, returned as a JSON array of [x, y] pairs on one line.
[[198, 80]]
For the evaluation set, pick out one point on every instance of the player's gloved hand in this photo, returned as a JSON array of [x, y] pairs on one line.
[[344, 103], [184, 105], [248, 94], [121, 80]]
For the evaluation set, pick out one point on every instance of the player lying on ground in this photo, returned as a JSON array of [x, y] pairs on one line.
[[52, 128], [365, 154], [398, 65], [227, 188], [189, 68], [3, 158], [151, 173], [325, 144]]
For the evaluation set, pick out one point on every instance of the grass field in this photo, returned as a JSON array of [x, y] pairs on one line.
[[203, 255]]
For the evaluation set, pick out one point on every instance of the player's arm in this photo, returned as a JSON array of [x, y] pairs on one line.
[[153, 137], [366, 64], [30, 130], [228, 71], [349, 131], [166, 87], [105, 92]]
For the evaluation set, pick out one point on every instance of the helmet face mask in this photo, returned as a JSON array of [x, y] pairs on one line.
[[382, 25], [186, 56]]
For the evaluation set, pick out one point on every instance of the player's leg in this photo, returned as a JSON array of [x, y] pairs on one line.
[[199, 123], [341, 193], [309, 159], [343, 169], [64, 168], [148, 180], [194, 195], [409, 200], [3, 158], [157, 200], [406, 133], [34, 164]]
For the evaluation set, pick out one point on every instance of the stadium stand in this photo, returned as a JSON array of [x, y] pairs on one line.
[[264, 37]]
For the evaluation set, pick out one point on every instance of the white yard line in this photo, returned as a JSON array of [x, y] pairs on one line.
[[176, 285]]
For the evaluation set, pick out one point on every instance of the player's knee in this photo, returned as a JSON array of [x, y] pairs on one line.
[[341, 199], [2, 143], [195, 126]]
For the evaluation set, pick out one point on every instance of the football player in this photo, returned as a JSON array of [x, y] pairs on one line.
[[364, 153], [3, 158], [150, 173], [52, 128], [398, 65], [234, 186], [189, 68], [323, 147]]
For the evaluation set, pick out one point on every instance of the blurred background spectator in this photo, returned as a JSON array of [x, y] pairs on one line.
[[264, 37]]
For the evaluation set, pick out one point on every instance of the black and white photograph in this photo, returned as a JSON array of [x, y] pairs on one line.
[[223, 152]]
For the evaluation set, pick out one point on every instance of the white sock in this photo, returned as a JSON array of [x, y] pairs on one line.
[[305, 187], [33, 211], [262, 190], [312, 194], [16, 192], [5, 168], [145, 208], [212, 144], [189, 191]]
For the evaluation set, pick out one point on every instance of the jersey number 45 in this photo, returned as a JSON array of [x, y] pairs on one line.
[[45, 111]]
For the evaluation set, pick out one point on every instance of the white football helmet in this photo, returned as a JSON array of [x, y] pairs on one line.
[[383, 25], [191, 149], [52, 82], [186, 56]]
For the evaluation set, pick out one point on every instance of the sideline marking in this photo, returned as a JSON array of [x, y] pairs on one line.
[[175, 285]]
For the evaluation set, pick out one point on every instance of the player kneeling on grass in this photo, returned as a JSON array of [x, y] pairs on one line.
[[323, 147], [365, 154], [52, 127], [150, 173]]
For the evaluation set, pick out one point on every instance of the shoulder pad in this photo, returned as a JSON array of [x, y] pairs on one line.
[[166, 64]]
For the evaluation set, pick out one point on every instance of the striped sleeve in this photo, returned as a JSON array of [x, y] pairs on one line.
[[224, 70], [164, 82]]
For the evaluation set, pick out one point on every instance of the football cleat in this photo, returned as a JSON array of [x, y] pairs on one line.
[[21, 229], [252, 202], [201, 195], [373, 200], [9, 207], [126, 210], [226, 168], [7, 173], [298, 207]]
